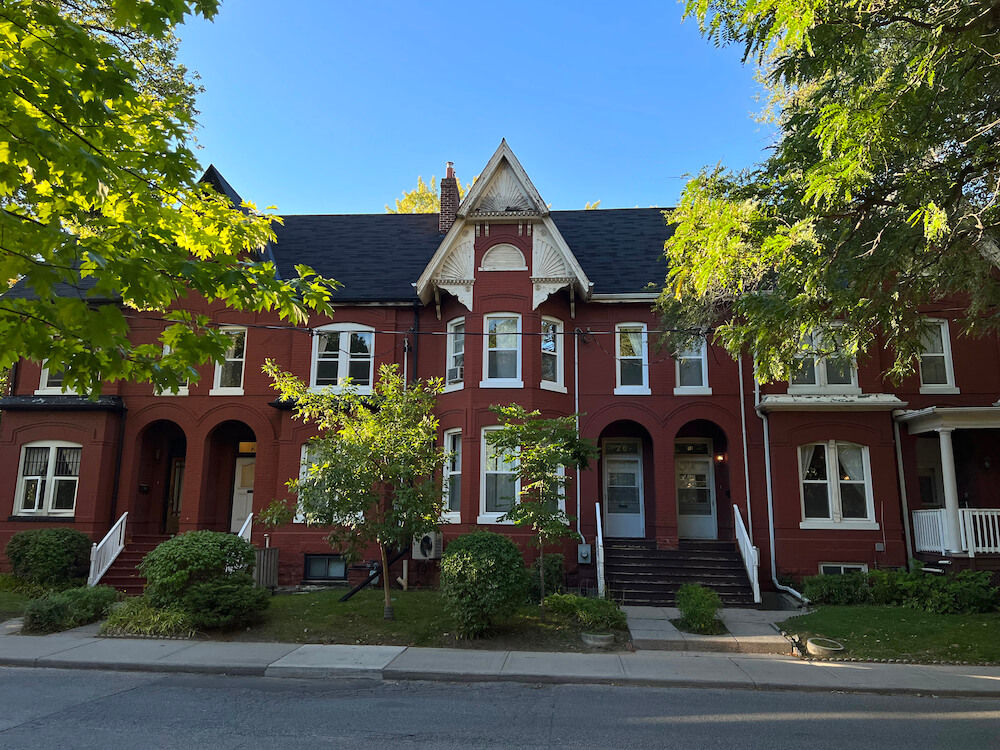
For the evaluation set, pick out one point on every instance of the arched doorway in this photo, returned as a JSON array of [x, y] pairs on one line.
[[701, 478], [162, 453], [229, 476], [626, 470]]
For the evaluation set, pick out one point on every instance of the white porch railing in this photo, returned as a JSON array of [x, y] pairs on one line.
[[104, 553], [749, 553], [980, 531], [928, 531], [244, 532], [599, 554]]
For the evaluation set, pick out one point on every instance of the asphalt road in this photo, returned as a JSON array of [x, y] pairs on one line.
[[47, 708]]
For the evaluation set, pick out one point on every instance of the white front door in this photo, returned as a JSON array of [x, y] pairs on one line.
[[242, 493], [696, 517], [624, 515]]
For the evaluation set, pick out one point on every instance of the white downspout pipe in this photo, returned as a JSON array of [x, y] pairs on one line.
[[770, 495], [576, 411]]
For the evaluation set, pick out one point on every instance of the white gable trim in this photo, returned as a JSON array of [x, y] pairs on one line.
[[495, 180]]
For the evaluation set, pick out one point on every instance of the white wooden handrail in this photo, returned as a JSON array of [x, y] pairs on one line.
[[599, 554], [244, 532], [749, 553], [981, 530], [104, 553]]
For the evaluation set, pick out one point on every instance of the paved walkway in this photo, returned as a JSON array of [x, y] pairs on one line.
[[751, 631], [81, 649]]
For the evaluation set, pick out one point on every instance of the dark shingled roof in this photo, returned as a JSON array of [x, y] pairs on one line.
[[377, 257]]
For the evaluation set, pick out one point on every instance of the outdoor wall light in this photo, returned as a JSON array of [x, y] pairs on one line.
[[720, 458]]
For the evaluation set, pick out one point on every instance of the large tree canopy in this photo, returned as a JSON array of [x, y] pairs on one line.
[[878, 203], [101, 214]]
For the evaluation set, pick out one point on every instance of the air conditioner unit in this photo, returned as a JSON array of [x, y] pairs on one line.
[[428, 546], [456, 374]]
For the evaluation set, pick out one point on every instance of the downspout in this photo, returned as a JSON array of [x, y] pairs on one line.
[[770, 495], [746, 458], [902, 494], [576, 411]]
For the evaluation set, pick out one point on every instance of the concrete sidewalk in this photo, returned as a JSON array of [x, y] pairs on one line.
[[80, 649], [751, 631]]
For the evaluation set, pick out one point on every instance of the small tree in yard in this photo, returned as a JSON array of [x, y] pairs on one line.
[[542, 450], [372, 472]]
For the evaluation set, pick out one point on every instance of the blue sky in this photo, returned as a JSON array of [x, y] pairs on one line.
[[336, 107]]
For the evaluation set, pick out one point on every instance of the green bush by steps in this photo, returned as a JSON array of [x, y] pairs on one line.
[[698, 606], [963, 593], [49, 557], [482, 580], [68, 609], [594, 615]]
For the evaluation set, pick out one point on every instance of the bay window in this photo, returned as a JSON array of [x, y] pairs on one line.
[[452, 484], [455, 358], [552, 355], [501, 351], [48, 478], [500, 487], [835, 483]]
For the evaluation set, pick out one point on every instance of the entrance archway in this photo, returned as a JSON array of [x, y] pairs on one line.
[[227, 488], [701, 479], [626, 479], [162, 453]]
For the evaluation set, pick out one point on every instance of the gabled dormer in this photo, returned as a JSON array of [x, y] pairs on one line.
[[503, 195]]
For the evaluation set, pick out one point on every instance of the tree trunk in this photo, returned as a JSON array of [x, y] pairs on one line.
[[387, 613]]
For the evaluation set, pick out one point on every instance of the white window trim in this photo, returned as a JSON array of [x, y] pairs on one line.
[[450, 355], [821, 385], [218, 390], [693, 390], [488, 382], [43, 384], [836, 520], [50, 485], [344, 357], [559, 384], [632, 390], [863, 567], [304, 464], [491, 517], [447, 515], [949, 363], [183, 390]]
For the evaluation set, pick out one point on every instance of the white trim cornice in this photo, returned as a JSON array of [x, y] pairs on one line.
[[830, 402], [938, 418]]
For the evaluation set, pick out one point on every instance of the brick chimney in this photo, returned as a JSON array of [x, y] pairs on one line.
[[449, 200]]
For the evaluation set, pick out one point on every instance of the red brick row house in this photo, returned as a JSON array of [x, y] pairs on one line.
[[508, 301]]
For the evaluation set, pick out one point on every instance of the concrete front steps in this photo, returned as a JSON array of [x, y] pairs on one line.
[[639, 574], [122, 574]]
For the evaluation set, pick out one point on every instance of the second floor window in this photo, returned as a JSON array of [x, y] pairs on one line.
[[936, 367], [52, 378], [632, 371], [229, 372], [691, 369], [823, 372], [343, 351], [455, 365], [552, 352], [502, 350]]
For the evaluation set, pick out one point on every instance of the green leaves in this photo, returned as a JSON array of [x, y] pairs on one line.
[[101, 214], [879, 198]]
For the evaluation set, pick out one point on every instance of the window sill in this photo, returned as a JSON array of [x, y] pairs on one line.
[[451, 516], [547, 385], [632, 390], [944, 390], [822, 390], [492, 518], [361, 390], [55, 392], [840, 525], [505, 383], [452, 387], [23, 517], [693, 390], [178, 392], [226, 392]]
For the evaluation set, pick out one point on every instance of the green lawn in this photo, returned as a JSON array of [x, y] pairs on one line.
[[901, 633], [12, 604], [318, 617]]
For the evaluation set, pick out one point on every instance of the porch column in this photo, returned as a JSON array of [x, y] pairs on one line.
[[952, 527]]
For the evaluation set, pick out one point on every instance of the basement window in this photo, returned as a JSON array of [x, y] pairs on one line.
[[325, 568], [839, 569]]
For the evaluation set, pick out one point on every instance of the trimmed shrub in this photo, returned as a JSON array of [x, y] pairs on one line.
[[555, 576], [482, 580], [698, 606], [50, 557], [137, 616], [228, 602], [68, 609], [964, 593], [16, 585], [598, 615], [194, 557]]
